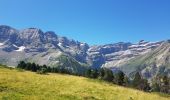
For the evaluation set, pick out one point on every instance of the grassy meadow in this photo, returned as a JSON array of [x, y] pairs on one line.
[[24, 85]]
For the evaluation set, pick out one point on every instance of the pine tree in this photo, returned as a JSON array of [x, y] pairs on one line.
[[155, 87], [28, 66], [101, 73], [119, 78], [140, 83], [21, 65], [108, 75], [136, 80], [144, 85], [165, 85], [33, 67], [126, 81], [88, 73], [94, 73]]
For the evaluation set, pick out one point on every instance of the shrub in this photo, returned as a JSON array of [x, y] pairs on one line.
[[42, 71], [119, 78]]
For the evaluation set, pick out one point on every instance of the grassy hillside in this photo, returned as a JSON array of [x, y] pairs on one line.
[[19, 85]]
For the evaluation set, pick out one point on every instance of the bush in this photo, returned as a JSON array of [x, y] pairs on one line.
[[106, 74], [155, 87], [140, 83], [92, 73], [119, 78], [42, 71]]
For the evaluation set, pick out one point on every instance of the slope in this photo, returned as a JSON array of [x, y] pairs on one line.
[[152, 63], [19, 85]]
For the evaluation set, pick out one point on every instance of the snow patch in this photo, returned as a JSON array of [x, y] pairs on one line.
[[15, 46], [60, 44], [1, 44], [145, 44], [82, 44], [21, 48], [134, 46], [127, 52]]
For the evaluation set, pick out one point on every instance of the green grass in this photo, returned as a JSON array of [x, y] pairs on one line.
[[23, 85]]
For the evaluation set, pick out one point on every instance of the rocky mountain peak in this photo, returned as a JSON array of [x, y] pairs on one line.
[[50, 34], [5, 27], [31, 33], [7, 34], [31, 36]]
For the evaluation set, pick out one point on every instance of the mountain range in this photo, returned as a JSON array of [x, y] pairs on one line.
[[34, 45]]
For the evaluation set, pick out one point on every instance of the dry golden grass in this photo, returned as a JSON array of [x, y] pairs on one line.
[[18, 85]]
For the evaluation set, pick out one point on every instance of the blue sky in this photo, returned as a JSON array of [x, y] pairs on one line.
[[92, 21]]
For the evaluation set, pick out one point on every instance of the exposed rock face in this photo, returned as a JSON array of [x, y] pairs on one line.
[[34, 45], [152, 63], [115, 55], [98, 55], [119, 58], [8, 35]]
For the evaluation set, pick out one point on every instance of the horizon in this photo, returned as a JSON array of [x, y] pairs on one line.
[[95, 22]]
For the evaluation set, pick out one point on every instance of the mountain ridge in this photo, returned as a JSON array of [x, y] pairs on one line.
[[34, 45]]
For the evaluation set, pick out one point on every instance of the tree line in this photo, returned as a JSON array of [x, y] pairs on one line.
[[119, 78], [41, 69], [161, 83]]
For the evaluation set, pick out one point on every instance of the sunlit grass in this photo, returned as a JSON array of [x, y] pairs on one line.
[[19, 85]]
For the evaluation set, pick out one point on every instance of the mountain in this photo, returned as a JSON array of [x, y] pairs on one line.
[[115, 55], [152, 63], [34, 45]]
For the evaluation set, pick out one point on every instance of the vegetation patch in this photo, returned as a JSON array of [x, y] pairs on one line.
[[16, 85]]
